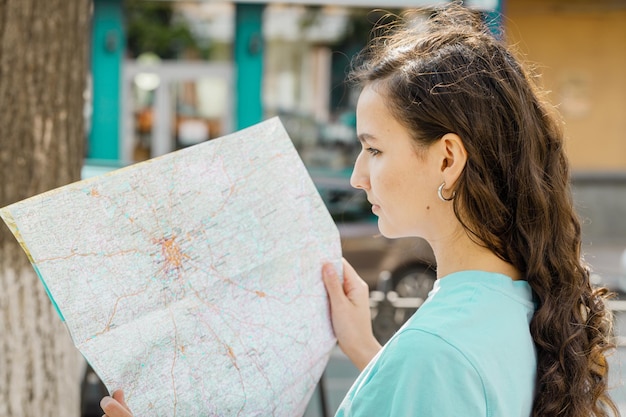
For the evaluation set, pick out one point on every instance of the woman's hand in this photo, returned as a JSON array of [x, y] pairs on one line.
[[350, 314], [116, 406]]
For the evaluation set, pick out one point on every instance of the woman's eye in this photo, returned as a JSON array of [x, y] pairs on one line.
[[373, 151]]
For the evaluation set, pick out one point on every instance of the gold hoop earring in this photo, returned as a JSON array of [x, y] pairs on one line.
[[440, 193]]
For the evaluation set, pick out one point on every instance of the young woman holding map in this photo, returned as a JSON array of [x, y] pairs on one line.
[[459, 148]]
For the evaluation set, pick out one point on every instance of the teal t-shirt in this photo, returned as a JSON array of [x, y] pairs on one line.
[[466, 352]]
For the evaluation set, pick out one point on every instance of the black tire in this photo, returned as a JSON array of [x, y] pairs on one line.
[[414, 281]]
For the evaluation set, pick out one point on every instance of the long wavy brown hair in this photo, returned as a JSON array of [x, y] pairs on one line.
[[449, 73]]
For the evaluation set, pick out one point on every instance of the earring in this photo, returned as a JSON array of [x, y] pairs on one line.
[[440, 193]]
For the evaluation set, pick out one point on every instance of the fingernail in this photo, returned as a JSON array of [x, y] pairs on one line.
[[327, 270], [105, 401]]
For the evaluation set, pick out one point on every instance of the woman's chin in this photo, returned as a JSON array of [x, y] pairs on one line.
[[391, 232], [388, 232]]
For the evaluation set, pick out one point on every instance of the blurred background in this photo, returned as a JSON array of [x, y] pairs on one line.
[[190, 71], [167, 74]]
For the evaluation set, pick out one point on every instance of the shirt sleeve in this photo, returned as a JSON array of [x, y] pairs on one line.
[[420, 374]]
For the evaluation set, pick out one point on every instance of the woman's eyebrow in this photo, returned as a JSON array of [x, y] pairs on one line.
[[366, 137]]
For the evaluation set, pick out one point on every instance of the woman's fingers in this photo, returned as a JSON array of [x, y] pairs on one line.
[[119, 396], [350, 314], [354, 287], [333, 285], [115, 406]]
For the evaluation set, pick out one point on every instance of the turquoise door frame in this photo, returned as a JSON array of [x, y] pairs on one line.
[[107, 51], [108, 45], [493, 18], [248, 55]]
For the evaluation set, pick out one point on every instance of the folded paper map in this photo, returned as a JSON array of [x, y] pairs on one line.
[[192, 281]]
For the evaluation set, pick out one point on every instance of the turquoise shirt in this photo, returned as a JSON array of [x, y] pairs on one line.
[[467, 352]]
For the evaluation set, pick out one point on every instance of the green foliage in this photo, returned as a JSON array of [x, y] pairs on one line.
[[153, 26]]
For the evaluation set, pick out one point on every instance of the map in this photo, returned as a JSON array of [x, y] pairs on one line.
[[192, 281]]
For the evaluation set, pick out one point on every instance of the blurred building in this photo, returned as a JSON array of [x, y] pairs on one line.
[[579, 47], [296, 55]]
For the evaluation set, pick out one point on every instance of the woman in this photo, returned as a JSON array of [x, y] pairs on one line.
[[459, 148]]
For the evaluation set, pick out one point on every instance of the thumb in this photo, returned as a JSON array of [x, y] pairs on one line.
[[354, 288], [115, 406], [119, 396], [333, 285]]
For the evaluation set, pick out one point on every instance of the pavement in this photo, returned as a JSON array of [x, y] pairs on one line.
[[338, 377], [617, 369]]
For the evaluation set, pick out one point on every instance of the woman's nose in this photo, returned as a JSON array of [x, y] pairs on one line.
[[360, 177]]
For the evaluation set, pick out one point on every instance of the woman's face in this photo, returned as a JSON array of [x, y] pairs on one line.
[[400, 181]]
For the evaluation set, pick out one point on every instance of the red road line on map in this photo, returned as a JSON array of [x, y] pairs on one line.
[[73, 254], [107, 327]]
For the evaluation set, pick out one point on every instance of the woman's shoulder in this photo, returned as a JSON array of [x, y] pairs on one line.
[[478, 317], [418, 374], [431, 364], [464, 357], [420, 344]]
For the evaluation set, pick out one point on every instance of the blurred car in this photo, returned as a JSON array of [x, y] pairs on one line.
[[410, 261]]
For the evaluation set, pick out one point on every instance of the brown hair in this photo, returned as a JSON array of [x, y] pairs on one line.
[[448, 73]]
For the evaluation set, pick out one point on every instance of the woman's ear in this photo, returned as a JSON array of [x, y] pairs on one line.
[[454, 158]]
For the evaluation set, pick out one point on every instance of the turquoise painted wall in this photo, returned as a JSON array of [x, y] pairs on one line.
[[107, 50], [248, 64]]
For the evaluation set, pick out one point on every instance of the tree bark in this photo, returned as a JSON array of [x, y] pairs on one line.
[[43, 69]]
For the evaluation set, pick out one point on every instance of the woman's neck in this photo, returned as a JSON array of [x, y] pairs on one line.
[[458, 252]]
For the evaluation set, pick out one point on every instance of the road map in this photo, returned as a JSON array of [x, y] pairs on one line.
[[192, 281]]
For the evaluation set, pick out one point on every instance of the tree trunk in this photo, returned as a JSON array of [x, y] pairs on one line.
[[43, 67]]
